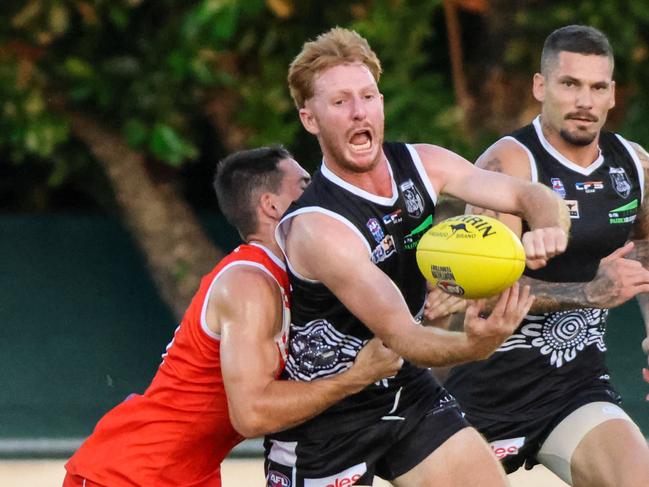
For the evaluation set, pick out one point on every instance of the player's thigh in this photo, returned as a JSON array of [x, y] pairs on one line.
[[613, 454], [464, 459], [597, 445]]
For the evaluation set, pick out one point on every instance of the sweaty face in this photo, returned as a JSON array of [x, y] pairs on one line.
[[346, 114], [577, 92], [294, 182]]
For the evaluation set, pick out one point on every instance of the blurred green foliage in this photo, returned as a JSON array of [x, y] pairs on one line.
[[152, 70]]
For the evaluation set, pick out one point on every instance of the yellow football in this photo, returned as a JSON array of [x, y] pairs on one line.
[[472, 256]]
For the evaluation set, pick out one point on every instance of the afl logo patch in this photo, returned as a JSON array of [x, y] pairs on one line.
[[278, 479]]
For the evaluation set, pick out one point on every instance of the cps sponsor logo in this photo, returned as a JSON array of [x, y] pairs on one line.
[[507, 447], [589, 186], [278, 479]]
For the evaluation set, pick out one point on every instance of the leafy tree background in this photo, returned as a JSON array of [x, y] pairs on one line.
[[123, 107]]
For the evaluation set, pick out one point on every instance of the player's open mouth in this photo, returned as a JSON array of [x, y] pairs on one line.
[[361, 141]]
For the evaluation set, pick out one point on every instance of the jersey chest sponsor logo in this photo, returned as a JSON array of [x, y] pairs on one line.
[[623, 214], [620, 181], [412, 197], [278, 479], [346, 478], [589, 186], [393, 218], [507, 447]]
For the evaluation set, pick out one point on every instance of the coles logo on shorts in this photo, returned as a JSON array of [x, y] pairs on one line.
[[507, 447], [278, 479], [346, 478]]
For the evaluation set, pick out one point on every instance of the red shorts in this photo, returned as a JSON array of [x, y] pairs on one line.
[[76, 481]]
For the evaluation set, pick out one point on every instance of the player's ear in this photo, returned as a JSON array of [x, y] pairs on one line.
[[269, 206], [538, 87], [612, 102], [308, 120]]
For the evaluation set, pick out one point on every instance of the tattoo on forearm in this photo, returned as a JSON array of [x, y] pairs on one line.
[[641, 225], [557, 296], [640, 252]]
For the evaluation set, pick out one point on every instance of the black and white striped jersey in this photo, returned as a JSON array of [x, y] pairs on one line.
[[555, 354], [325, 337]]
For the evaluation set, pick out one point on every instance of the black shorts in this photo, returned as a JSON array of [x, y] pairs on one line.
[[517, 443], [388, 449]]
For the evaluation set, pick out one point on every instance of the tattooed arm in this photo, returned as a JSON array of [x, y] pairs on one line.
[[618, 278], [640, 236]]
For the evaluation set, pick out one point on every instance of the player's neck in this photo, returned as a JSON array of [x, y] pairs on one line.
[[377, 180], [266, 238], [582, 155]]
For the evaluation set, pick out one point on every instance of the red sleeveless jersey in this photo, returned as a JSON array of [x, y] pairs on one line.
[[178, 432]]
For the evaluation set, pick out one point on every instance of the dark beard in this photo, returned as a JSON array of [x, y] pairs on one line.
[[581, 139]]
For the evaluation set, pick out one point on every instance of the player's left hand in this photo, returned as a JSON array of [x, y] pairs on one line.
[[542, 244], [440, 304]]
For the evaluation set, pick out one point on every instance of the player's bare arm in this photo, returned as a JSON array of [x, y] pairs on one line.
[[544, 211], [258, 402], [640, 236], [324, 249]]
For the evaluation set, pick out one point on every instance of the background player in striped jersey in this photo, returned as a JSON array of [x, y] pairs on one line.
[[217, 382], [545, 395]]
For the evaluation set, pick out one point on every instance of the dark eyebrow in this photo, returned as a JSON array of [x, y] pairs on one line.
[[567, 77]]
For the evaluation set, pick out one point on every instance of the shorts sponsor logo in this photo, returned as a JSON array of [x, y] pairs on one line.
[[278, 479], [589, 186], [558, 187], [346, 478], [620, 181], [624, 214], [508, 447], [573, 208]]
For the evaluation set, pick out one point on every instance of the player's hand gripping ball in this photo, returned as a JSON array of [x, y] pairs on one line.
[[472, 256]]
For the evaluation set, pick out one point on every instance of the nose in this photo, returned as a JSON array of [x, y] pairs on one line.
[[585, 98], [358, 109]]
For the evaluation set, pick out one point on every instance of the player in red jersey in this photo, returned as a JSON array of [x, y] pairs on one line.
[[218, 379]]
